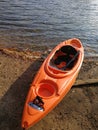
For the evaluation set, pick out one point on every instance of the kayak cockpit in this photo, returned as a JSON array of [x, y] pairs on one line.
[[65, 58]]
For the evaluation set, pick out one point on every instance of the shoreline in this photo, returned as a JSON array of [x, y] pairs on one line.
[[89, 51], [78, 110], [33, 52]]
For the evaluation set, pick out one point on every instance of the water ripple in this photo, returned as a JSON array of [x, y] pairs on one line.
[[49, 22]]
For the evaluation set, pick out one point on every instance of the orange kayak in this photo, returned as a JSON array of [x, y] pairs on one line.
[[53, 80]]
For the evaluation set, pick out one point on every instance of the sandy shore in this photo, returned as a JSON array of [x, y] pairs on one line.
[[77, 111]]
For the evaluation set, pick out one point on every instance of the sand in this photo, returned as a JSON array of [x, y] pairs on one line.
[[77, 111]]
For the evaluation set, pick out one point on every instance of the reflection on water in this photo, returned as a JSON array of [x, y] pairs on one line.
[[49, 21]]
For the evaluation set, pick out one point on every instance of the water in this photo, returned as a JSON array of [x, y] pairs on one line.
[[47, 22]]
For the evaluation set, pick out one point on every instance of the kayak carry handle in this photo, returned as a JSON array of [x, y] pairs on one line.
[[36, 106], [75, 56]]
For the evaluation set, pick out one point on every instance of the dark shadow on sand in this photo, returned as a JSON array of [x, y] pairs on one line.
[[12, 103]]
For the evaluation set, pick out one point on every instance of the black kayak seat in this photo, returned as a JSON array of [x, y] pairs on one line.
[[69, 56]]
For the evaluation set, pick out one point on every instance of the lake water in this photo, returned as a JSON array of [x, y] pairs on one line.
[[47, 22]]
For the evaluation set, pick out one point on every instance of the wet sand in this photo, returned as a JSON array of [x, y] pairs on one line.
[[77, 111]]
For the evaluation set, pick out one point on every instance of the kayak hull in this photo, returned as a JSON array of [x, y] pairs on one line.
[[52, 83]]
